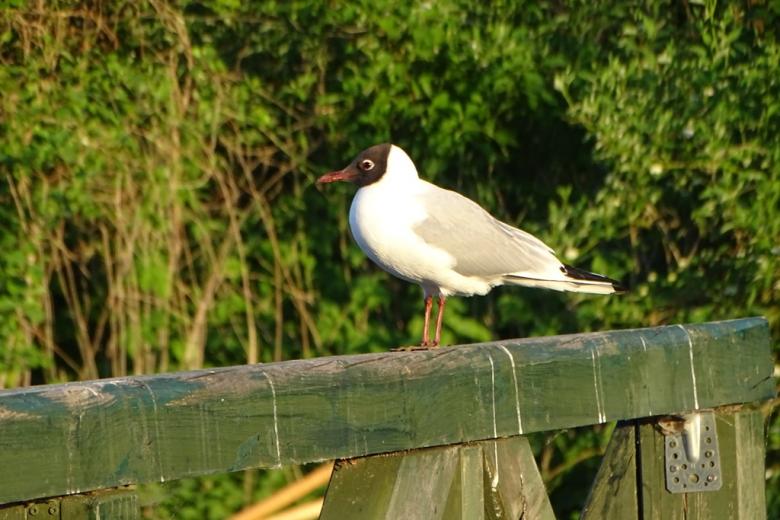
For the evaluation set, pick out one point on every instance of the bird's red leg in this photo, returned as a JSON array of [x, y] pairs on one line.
[[428, 305], [439, 319]]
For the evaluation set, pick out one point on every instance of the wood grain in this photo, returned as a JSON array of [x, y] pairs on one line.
[[487, 480], [614, 491], [116, 504]]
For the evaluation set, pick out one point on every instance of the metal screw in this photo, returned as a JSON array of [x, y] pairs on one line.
[[32, 510]]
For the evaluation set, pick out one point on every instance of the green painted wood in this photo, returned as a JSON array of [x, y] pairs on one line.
[[655, 501], [741, 439], [360, 488], [14, 512], [472, 489], [467, 496], [741, 497], [116, 504], [489, 479], [750, 460], [411, 485], [65, 439], [614, 491], [514, 486]]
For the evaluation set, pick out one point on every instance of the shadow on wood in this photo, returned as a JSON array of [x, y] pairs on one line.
[[483, 480]]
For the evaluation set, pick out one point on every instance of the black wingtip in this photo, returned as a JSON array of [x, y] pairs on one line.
[[581, 274], [620, 288]]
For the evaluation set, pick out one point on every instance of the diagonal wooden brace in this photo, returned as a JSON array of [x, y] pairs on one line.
[[480, 480]]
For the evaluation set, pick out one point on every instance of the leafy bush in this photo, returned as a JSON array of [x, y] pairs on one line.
[[158, 162]]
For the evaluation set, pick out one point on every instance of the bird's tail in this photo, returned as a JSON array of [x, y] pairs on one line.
[[571, 279]]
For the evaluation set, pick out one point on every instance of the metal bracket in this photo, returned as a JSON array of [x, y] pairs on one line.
[[691, 455]]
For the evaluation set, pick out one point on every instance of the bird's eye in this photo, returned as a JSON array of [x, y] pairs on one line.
[[366, 165]]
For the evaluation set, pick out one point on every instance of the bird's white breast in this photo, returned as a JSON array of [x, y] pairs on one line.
[[382, 222], [382, 219]]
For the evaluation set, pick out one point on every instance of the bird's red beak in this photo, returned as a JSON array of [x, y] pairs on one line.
[[340, 175]]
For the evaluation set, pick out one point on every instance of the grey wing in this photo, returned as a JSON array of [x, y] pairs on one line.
[[481, 244]]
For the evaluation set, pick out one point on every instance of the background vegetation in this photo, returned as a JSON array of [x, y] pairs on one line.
[[157, 163]]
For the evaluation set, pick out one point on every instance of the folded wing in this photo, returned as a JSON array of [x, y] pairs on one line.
[[487, 248]]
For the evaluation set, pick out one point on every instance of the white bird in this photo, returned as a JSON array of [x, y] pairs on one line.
[[443, 241]]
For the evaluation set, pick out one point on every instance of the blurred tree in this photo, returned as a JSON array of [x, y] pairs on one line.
[[157, 163]]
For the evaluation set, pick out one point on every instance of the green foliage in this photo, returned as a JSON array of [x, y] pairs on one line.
[[157, 163], [215, 496]]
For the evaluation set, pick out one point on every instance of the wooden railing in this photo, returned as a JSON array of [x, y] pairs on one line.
[[449, 422]]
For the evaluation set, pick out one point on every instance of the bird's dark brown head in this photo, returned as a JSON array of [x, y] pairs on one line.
[[367, 168]]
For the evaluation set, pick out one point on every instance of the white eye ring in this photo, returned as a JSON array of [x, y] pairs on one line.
[[366, 165]]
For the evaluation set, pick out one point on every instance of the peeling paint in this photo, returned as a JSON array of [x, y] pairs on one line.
[[78, 395], [72, 443], [517, 391], [602, 393], [596, 385], [494, 481], [644, 349], [693, 370], [276, 421], [7, 414], [156, 420]]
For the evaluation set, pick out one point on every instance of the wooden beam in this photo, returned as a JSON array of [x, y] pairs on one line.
[[120, 504], [468, 494], [514, 486], [741, 497], [415, 484], [65, 439], [487, 480], [614, 491]]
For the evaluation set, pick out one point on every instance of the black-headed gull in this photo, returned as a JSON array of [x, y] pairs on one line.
[[443, 241]]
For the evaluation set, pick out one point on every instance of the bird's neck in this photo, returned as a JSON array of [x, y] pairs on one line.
[[400, 171]]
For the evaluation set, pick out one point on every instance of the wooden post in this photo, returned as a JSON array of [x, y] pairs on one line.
[[116, 504], [741, 440], [631, 482], [614, 491], [483, 480]]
